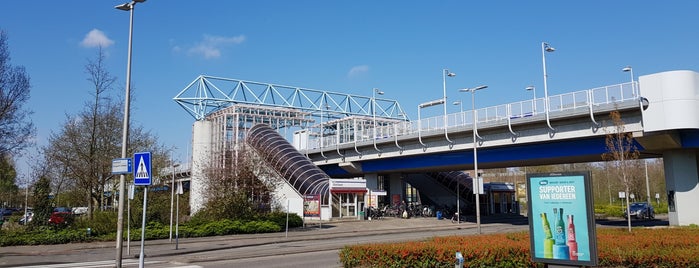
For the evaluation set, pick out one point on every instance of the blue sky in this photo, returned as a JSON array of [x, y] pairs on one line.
[[400, 47]]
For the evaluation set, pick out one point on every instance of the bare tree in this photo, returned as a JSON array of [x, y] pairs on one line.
[[620, 150], [16, 129], [87, 142], [238, 185]]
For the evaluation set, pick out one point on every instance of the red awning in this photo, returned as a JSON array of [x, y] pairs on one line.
[[348, 190]]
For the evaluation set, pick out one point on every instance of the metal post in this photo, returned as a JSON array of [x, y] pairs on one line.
[[477, 189], [125, 133], [177, 219], [446, 73], [545, 47], [172, 195], [141, 255], [647, 185]]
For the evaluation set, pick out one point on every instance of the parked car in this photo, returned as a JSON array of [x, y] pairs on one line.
[[28, 217], [6, 212], [641, 210], [60, 215]]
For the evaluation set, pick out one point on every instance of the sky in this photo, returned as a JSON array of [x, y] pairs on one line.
[[400, 47]]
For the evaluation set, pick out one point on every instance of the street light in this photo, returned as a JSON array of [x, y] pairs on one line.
[[373, 112], [532, 88], [476, 190], [445, 73], [125, 132], [461, 109], [545, 47], [172, 197], [630, 70]]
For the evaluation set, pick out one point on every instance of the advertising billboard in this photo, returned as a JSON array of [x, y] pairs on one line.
[[561, 219], [311, 205]]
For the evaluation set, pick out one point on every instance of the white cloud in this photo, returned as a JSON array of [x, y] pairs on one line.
[[358, 70], [96, 38], [210, 47]]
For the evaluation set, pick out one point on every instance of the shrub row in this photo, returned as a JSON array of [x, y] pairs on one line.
[[102, 229], [665, 247]]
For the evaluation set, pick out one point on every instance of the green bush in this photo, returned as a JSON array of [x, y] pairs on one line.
[[279, 217]]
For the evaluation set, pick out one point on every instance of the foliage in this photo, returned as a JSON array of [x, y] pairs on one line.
[[16, 128], [42, 204], [81, 151], [663, 247], [8, 175], [103, 223], [236, 187]]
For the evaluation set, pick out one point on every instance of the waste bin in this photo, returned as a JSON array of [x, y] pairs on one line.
[[361, 216], [439, 215]]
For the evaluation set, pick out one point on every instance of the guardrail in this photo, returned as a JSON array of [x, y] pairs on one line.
[[587, 99]]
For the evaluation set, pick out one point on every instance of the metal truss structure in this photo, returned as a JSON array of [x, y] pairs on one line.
[[208, 94]]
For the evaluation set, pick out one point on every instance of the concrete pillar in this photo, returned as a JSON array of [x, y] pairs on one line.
[[201, 154], [682, 183]]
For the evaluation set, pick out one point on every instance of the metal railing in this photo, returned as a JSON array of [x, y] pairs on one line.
[[493, 114]]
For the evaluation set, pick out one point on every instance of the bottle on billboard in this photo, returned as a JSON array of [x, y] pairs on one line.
[[548, 239], [572, 243], [560, 249]]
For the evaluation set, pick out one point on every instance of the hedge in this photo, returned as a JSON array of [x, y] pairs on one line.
[[644, 247]]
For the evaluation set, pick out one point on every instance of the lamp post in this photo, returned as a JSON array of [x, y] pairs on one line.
[[125, 131], [476, 189], [172, 197], [532, 88], [445, 73], [373, 112], [545, 47], [633, 86], [461, 109]]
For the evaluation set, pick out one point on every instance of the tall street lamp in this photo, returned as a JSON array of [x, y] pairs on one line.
[[125, 132], [532, 88], [374, 92], [476, 189], [461, 109], [545, 47], [445, 73], [630, 70], [172, 197]]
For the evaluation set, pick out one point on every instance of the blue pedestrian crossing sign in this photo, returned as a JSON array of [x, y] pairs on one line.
[[142, 175]]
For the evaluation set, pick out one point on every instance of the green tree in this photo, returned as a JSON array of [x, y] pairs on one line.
[[8, 185], [42, 203], [16, 129]]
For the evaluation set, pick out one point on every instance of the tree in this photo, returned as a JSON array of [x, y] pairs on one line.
[[42, 203], [620, 149], [16, 129], [238, 186], [83, 149], [8, 184]]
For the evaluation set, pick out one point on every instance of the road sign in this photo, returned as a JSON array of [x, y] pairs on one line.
[[121, 166], [142, 173]]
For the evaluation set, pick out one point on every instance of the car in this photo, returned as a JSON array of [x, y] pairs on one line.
[[6, 212], [60, 215], [28, 217], [641, 210]]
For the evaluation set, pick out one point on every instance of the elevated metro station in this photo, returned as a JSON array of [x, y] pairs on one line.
[[340, 153]]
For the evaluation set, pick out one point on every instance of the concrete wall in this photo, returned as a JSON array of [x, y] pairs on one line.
[[682, 178]]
